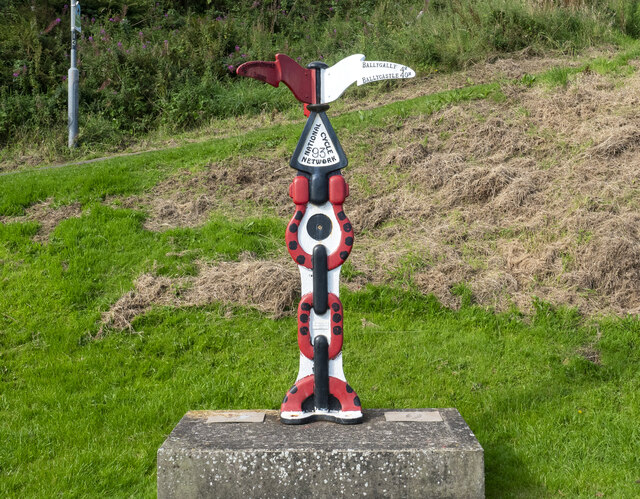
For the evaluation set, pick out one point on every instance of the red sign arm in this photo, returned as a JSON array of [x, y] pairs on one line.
[[301, 81]]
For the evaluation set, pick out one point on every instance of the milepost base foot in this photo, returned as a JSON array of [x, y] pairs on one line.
[[341, 417]]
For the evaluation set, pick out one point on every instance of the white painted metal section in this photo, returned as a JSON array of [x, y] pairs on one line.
[[318, 149], [331, 242], [315, 324], [320, 324], [337, 78], [306, 280], [335, 368], [380, 70], [354, 69], [302, 416]]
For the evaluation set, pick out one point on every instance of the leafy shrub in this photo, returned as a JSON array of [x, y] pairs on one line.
[[150, 64]]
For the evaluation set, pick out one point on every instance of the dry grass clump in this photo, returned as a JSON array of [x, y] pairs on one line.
[[271, 287], [371, 213], [476, 185], [187, 198], [615, 142], [435, 171], [47, 215], [518, 192], [610, 262], [591, 354], [405, 157], [149, 290]]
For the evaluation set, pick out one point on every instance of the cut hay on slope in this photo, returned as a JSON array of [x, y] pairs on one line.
[[270, 287], [47, 215], [536, 196]]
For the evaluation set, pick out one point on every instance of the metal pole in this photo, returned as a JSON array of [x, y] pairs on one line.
[[73, 79]]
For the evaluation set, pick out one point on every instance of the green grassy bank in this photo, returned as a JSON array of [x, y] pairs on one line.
[[554, 398]]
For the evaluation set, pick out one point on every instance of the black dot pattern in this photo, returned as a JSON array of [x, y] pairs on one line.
[[337, 317], [335, 307], [349, 241], [299, 215], [337, 330], [347, 227], [286, 397], [304, 318], [341, 215], [349, 389], [344, 255], [304, 331], [306, 307], [356, 401], [293, 245], [293, 228], [300, 259], [293, 390]]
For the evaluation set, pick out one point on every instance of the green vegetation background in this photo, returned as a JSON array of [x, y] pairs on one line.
[[160, 65], [82, 417]]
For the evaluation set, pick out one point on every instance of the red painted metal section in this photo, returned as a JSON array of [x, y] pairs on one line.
[[298, 393], [342, 252], [303, 389], [304, 316], [300, 256], [338, 189], [344, 393], [301, 81], [299, 190]]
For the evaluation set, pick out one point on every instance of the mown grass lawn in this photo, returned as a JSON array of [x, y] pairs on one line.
[[553, 398]]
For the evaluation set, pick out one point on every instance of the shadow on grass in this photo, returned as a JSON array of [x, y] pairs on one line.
[[503, 469]]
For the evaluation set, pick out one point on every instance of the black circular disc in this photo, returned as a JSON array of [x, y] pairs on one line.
[[319, 226]]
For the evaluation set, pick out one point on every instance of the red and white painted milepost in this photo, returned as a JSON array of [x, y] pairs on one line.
[[319, 236]]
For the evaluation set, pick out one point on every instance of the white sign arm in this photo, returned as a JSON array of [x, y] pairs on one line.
[[354, 69], [339, 77]]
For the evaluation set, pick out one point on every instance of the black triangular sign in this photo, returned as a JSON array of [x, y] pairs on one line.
[[318, 149]]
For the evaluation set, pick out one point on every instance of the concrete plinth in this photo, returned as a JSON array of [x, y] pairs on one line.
[[407, 453]]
